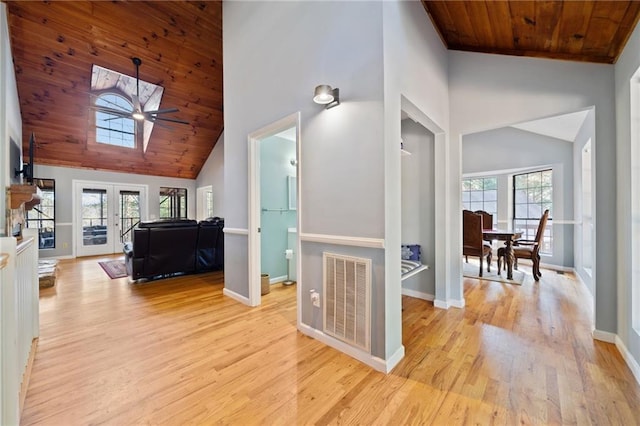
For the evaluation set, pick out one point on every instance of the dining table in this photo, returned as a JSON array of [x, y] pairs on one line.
[[508, 237]]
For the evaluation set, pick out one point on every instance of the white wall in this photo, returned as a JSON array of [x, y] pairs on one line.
[[488, 153], [584, 135], [628, 219], [491, 91], [212, 173], [64, 177], [10, 118]]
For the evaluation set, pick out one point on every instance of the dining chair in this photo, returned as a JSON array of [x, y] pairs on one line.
[[472, 243], [487, 221], [527, 249]]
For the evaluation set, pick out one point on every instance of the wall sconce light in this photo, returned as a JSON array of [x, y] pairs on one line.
[[325, 95]]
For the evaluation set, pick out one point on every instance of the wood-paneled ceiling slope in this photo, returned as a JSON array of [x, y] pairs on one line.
[[591, 31], [54, 45]]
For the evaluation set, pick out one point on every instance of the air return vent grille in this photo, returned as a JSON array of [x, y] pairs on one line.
[[347, 294]]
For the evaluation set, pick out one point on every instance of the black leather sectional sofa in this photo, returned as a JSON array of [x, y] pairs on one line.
[[175, 246]]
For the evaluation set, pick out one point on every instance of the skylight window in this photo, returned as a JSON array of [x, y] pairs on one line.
[[114, 90], [112, 129]]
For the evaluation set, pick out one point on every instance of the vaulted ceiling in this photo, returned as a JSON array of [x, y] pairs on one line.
[[592, 31], [54, 45]]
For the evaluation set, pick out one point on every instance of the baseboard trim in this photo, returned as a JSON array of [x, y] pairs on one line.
[[374, 362], [395, 359], [604, 336], [277, 279], [440, 304], [418, 294], [457, 303], [236, 231], [626, 355], [451, 303], [235, 296]]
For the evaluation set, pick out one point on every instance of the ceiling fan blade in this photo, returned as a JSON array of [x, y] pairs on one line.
[[173, 120], [114, 118], [162, 111]]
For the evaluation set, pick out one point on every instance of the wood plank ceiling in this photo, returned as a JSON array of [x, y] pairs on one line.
[[54, 45], [592, 31]]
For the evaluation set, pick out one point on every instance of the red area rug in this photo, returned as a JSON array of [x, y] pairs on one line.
[[114, 268]]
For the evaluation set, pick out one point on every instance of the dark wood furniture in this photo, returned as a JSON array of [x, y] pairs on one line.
[[507, 251], [528, 249], [472, 242], [487, 221]]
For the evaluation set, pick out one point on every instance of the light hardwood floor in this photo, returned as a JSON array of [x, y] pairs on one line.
[[177, 351]]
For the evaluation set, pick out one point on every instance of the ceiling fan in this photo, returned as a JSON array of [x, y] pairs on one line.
[[137, 113]]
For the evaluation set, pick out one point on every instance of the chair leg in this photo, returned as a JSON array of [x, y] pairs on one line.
[[536, 275], [480, 274], [499, 264], [539, 273], [489, 262]]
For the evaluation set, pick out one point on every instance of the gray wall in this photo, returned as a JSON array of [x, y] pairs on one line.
[[418, 204], [493, 91], [270, 72], [212, 173], [627, 90], [491, 152], [64, 177]]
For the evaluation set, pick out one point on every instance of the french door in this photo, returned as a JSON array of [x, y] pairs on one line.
[[105, 215]]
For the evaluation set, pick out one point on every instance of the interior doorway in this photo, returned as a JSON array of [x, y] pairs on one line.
[[418, 206], [274, 205], [105, 215]]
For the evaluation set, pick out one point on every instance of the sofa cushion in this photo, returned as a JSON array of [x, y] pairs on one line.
[[172, 250], [167, 223]]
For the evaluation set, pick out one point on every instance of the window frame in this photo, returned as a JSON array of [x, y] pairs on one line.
[[175, 196], [494, 212], [123, 120], [39, 220], [531, 222]]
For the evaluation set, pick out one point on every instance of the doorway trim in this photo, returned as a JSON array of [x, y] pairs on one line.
[[254, 205]]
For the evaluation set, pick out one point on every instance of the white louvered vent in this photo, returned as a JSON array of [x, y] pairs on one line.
[[347, 293]]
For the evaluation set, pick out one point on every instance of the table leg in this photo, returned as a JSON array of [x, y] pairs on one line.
[[509, 258]]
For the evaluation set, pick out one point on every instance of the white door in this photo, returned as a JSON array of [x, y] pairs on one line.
[[105, 216]]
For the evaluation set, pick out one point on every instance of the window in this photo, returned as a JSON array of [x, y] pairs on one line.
[[532, 195], [480, 194], [112, 129], [173, 203], [42, 216], [208, 203]]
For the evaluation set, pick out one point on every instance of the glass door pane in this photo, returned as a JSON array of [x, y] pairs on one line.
[[94, 216], [129, 213]]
